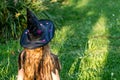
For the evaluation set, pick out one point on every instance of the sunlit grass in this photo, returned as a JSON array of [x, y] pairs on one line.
[[82, 3], [60, 38], [87, 42], [95, 57]]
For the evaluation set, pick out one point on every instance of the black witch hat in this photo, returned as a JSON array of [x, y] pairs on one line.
[[38, 32]]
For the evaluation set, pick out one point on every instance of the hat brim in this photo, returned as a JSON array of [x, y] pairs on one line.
[[47, 35]]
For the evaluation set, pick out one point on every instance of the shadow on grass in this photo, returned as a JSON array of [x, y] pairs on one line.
[[79, 22], [111, 69]]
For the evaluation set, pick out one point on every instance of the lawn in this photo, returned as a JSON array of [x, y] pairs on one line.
[[87, 42]]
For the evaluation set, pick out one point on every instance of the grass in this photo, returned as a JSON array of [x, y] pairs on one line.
[[8, 60], [87, 42]]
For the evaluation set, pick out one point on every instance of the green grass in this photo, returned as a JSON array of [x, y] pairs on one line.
[[87, 41], [8, 60]]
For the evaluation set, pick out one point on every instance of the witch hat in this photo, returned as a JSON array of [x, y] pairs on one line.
[[38, 32]]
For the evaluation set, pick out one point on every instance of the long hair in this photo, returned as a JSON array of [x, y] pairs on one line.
[[38, 64]]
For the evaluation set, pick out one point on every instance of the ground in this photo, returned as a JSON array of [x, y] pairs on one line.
[[87, 42]]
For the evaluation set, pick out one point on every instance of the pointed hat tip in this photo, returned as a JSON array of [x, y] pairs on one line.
[[30, 14], [32, 20], [27, 9]]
